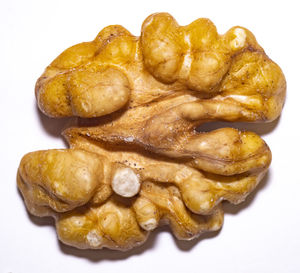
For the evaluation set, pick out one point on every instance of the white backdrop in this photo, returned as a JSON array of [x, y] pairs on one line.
[[260, 235]]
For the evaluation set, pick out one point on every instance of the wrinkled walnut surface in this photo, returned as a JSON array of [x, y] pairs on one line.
[[143, 163]]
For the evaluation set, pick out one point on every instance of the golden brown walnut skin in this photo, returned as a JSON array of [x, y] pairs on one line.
[[74, 187], [144, 164], [164, 83], [225, 69]]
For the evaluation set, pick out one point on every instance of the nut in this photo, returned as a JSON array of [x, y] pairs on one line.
[[144, 164]]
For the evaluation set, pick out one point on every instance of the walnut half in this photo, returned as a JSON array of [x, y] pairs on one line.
[[143, 164]]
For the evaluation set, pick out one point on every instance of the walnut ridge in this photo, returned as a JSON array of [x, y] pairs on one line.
[[143, 164]]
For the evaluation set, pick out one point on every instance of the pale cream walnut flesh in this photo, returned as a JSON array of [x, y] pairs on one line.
[[125, 182]]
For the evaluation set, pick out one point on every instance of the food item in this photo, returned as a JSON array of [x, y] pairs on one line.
[[143, 163]]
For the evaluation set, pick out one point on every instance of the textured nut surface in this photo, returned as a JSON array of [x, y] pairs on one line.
[[143, 163]]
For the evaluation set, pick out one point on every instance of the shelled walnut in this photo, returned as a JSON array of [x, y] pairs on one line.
[[143, 163]]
